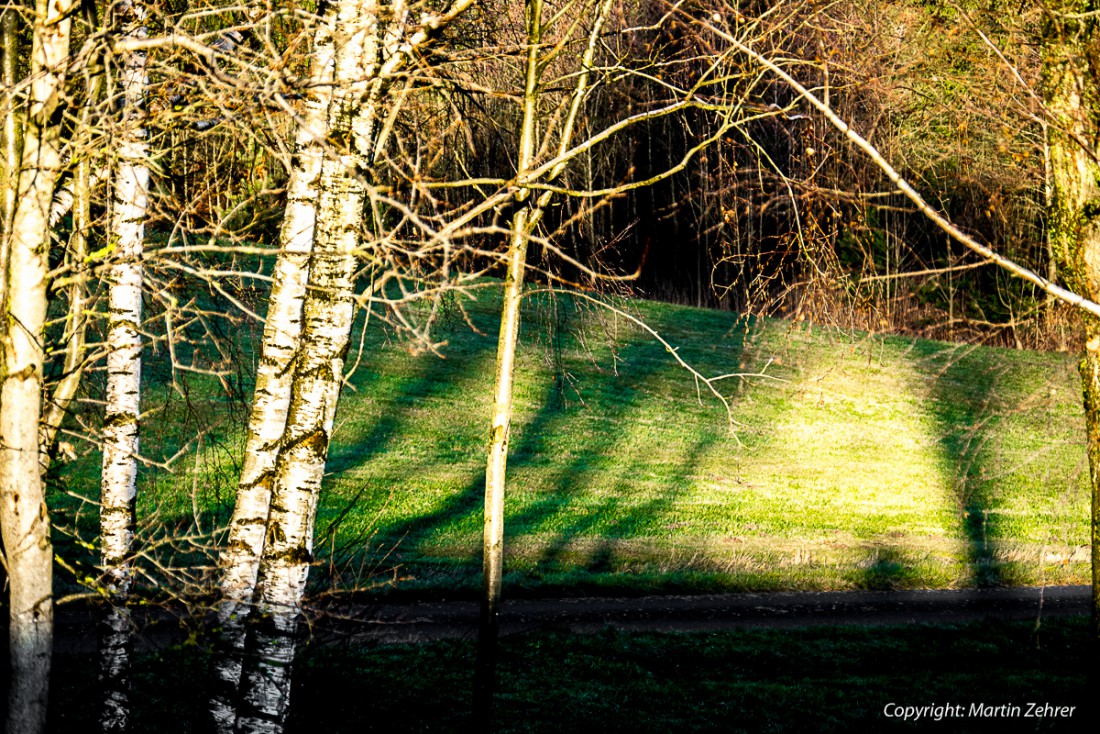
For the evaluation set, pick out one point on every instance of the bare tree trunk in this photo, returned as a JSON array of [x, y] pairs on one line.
[[24, 518], [76, 323], [240, 558], [305, 339], [9, 140], [524, 222], [1072, 96], [297, 460], [1048, 204], [123, 409], [500, 426]]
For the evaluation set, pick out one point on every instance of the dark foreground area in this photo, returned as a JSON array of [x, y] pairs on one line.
[[991, 675]]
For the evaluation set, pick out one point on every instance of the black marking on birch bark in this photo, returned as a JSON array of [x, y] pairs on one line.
[[296, 555], [113, 420], [264, 482], [27, 373], [275, 534], [240, 545], [314, 442]]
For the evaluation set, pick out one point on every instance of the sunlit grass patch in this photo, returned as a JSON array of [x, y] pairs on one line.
[[854, 460]]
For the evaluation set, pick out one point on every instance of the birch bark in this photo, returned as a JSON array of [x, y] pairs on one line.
[[240, 558], [76, 194], [76, 322], [9, 55], [123, 404], [9, 142], [271, 536], [327, 312], [282, 329], [24, 518]]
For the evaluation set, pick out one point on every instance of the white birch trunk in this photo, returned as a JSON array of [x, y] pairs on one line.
[[328, 313], [76, 323], [300, 464], [24, 518], [79, 200], [240, 558], [271, 539], [298, 461], [1072, 97], [282, 328], [10, 144], [123, 404], [9, 133]]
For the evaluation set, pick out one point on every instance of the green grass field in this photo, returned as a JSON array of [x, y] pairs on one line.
[[858, 461]]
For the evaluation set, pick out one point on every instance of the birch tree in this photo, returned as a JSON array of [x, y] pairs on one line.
[[76, 196], [24, 518], [10, 132], [123, 405], [10, 142], [364, 48], [240, 557]]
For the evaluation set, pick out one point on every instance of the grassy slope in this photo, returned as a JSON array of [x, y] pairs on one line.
[[861, 461]]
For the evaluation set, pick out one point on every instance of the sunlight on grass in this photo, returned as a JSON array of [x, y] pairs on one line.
[[858, 461]]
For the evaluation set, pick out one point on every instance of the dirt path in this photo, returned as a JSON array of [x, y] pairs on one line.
[[429, 621], [420, 622]]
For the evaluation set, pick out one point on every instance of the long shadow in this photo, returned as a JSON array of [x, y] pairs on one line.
[[542, 439], [640, 366], [962, 400], [467, 503], [357, 443]]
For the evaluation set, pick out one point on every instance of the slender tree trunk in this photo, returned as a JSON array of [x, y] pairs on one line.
[[76, 322], [10, 141], [24, 518], [524, 222], [79, 199], [1072, 94], [500, 425], [1048, 203], [123, 409]]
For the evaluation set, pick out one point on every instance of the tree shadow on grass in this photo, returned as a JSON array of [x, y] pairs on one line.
[[964, 429], [887, 568], [360, 442], [570, 526], [585, 517]]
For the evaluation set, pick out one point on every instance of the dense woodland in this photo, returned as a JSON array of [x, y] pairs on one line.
[[182, 180]]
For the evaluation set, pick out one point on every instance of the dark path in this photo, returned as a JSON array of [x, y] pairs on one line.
[[428, 621], [419, 622]]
